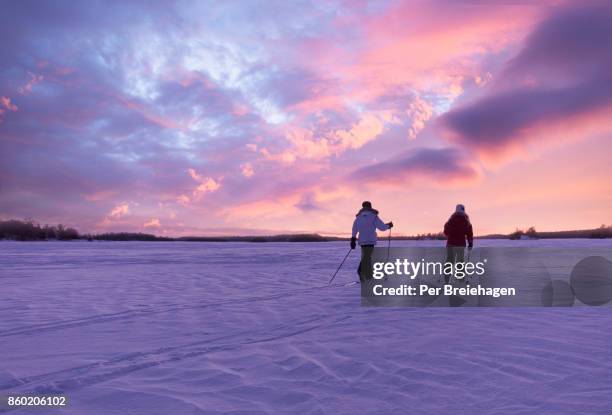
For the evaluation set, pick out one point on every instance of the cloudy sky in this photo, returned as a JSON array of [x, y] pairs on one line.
[[240, 117]]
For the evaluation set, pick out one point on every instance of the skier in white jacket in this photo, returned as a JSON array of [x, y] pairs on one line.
[[365, 225]]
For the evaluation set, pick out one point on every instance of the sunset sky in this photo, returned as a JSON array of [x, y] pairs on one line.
[[248, 117]]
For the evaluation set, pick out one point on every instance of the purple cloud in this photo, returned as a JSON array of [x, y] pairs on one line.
[[440, 165], [563, 72], [308, 203]]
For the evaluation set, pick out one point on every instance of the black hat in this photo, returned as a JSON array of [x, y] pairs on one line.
[[366, 205]]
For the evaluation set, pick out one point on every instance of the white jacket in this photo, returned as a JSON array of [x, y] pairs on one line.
[[365, 225]]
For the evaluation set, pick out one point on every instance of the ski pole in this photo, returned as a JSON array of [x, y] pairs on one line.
[[389, 244], [340, 266]]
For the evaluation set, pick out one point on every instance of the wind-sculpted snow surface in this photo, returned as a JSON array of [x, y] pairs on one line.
[[211, 328]]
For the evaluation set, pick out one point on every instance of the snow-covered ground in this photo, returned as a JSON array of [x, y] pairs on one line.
[[207, 328]]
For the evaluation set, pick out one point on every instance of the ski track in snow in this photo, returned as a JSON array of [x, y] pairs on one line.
[[86, 375], [200, 328], [149, 310]]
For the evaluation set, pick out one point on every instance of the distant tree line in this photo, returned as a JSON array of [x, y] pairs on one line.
[[29, 230], [126, 236], [598, 233], [308, 237], [430, 236], [530, 233]]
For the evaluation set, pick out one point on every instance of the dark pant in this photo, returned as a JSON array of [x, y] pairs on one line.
[[454, 254], [365, 266]]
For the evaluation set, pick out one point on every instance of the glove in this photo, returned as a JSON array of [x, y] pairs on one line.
[[390, 225], [353, 242]]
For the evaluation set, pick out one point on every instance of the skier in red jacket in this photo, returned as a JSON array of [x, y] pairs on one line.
[[457, 229]]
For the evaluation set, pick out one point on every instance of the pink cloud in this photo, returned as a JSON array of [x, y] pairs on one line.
[[420, 111], [313, 144], [119, 211], [153, 223], [7, 104], [27, 88], [247, 170], [204, 185]]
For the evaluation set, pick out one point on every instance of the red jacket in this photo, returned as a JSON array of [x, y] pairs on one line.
[[457, 229]]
